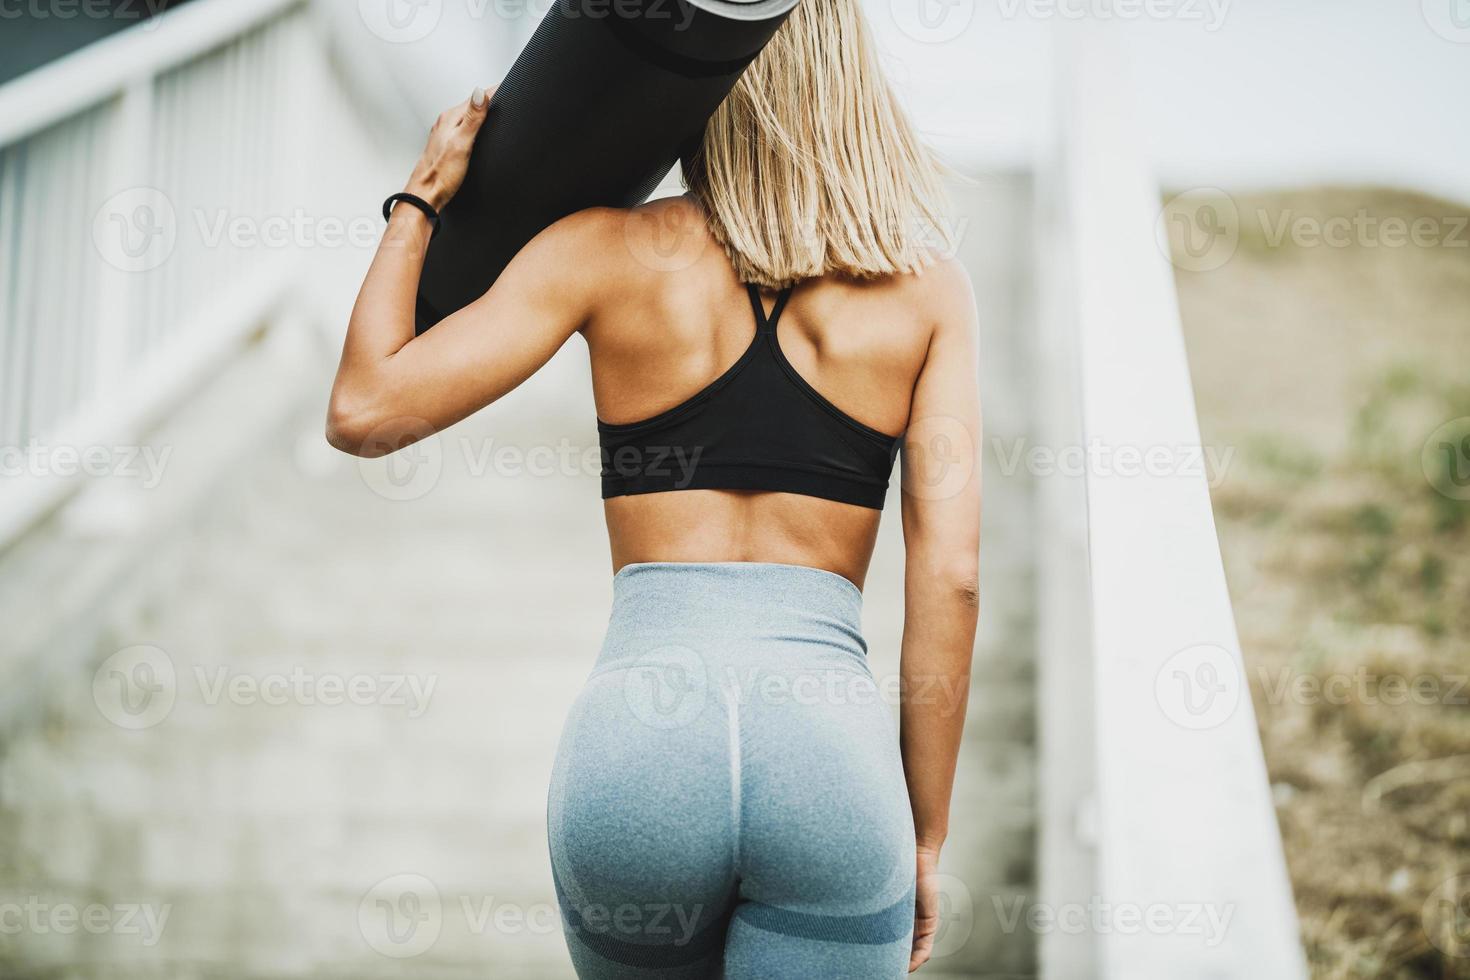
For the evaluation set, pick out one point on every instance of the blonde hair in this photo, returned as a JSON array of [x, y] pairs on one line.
[[810, 166]]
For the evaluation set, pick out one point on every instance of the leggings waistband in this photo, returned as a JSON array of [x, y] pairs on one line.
[[734, 607]]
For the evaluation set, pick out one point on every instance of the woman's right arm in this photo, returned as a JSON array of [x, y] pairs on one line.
[[941, 529], [392, 387]]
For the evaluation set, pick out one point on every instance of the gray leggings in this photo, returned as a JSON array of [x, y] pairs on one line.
[[728, 798]]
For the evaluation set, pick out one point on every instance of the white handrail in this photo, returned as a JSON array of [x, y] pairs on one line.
[[1190, 875], [122, 147], [91, 75]]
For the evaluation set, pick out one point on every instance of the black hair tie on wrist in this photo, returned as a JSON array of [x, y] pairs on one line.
[[417, 202]]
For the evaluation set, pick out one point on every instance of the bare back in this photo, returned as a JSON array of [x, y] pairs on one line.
[[681, 321], [835, 373]]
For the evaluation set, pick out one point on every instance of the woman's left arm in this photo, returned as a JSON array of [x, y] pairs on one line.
[[393, 388]]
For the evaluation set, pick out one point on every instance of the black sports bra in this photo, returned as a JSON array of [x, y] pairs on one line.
[[758, 426]]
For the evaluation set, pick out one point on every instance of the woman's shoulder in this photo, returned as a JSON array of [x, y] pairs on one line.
[[654, 262], [947, 292], [664, 236], [938, 284], [936, 292]]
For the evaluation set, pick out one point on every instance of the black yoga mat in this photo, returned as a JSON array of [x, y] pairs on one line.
[[594, 112]]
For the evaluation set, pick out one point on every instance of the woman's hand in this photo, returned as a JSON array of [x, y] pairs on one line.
[[926, 908], [441, 170]]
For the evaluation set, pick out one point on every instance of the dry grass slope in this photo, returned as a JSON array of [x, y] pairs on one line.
[[1328, 368]]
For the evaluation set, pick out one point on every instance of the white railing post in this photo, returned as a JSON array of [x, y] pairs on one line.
[[116, 308], [1066, 723], [12, 360]]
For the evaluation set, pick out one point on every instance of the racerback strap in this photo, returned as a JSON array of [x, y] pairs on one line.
[[763, 323]]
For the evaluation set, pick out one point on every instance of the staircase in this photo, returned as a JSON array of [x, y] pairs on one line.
[[315, 740]]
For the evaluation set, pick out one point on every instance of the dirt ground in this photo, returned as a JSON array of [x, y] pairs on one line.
[[1329, 344]]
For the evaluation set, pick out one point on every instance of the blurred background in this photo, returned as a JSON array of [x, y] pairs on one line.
[[270, 711]]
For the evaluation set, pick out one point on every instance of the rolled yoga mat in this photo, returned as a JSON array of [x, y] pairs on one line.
[[594, 112]]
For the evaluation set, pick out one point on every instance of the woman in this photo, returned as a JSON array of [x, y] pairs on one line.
[[729, 797]]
